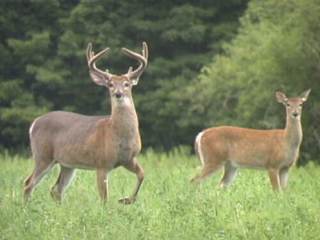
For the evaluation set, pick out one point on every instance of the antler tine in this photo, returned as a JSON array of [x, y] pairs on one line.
[[145, 50], [134, 55], [89, 51], [130, 70], [92, 58], [143, 59]]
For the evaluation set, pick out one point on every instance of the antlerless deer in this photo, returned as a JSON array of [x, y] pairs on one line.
[[100, 143], [233, 147]]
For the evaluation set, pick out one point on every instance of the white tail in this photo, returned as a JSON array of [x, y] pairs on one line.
[[100, 143], [233, 147]]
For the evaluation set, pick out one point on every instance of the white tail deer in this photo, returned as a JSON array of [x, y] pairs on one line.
[[100, 143], [233, 147]]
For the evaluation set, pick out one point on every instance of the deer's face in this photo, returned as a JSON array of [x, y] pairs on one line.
[[119, 85], [293, 105], [120, 88]]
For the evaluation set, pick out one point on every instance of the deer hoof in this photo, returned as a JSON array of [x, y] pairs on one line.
[[127, 200]]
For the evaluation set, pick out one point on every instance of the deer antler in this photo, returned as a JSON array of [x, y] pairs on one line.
[[143, 59], [92, 58]]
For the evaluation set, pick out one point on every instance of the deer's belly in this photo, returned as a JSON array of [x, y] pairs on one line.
[[252, 165], [246, 158], [77, 156]]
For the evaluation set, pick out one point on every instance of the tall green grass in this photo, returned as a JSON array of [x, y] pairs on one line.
[[168, 207]]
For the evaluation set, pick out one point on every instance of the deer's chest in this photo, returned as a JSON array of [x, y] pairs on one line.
[[127, 148], [291, 155]]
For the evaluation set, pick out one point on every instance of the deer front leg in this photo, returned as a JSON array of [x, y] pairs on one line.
[[102, 181], [134, 167], [274, 178], [284, 174]]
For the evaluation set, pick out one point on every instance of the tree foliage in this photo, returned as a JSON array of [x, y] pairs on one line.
[[43, 44], [29, 35]]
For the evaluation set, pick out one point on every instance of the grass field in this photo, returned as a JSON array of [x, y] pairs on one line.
[[168, 207]]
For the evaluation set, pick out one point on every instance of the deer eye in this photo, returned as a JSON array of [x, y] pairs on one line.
[[110, 85], [287, 104], [126, 84]]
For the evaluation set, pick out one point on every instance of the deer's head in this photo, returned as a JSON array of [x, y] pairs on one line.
[[119, 86], [293, 105]]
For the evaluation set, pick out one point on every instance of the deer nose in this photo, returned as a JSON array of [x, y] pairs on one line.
[[118, 94], [295, 114]]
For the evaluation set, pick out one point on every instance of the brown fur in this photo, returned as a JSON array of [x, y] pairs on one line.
[[100, 143], [231, 147]]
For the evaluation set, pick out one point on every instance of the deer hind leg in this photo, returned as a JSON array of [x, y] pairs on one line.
[[135, 167], [274, 179], [207, 170], [284, 174], [31, 182], [229, 175], [62, 183]]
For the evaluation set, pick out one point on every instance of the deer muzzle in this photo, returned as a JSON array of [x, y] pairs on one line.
[[118, 94]]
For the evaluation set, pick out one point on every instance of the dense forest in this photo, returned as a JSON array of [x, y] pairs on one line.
[[211, 63]]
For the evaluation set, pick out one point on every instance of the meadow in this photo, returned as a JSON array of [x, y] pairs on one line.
[[168, 207]]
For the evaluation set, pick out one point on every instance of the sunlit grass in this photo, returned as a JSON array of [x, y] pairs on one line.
[[168, 207]]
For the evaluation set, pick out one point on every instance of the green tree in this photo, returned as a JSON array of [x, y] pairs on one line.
[[44, 45], [29, 33]]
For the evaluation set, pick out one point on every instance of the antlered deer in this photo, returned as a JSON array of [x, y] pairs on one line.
[[100, 143], [233, 147]]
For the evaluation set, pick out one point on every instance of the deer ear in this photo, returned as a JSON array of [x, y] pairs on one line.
[[281, 97], [97, 78], [305, 94]]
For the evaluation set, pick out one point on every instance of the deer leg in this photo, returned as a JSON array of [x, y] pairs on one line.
[[230, 173], [206, 171], [284, 174], [274, 178], [102, 181], [134, 166], [31, 182], [62, 183]]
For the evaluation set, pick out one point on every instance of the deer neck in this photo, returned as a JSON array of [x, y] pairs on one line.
[[293, 131], [124, 118]]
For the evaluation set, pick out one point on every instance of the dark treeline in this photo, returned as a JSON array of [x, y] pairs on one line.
[[211, 62], [44, 67]]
